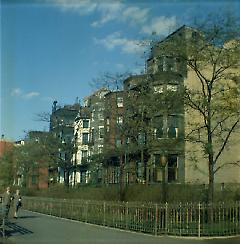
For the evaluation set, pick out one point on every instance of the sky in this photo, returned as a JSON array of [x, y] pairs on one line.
[[54, 49]]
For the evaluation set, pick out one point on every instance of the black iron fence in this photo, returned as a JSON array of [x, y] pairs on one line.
[[188, 219], [2, 218]]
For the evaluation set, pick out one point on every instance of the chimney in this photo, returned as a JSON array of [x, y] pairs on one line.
[[54, 107]]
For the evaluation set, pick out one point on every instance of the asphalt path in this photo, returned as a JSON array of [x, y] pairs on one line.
[[35, 228]]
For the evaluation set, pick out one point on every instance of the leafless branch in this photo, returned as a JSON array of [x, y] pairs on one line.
[[44, 117], [237, 163], [226, 140]]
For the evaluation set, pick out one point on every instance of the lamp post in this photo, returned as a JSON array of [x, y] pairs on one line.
[[163, 162]]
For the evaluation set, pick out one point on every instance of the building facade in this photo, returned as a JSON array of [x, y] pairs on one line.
[[114, 136], [62, 127], [82, 129], [141, 133]]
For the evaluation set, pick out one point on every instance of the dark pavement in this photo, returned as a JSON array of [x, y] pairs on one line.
[[34, 228]]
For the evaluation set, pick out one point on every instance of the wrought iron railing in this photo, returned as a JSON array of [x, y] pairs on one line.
[[188, 219], [2, 217]]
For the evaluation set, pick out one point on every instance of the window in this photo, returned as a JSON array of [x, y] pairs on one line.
[[100, 149], [158, 124], [172, 167], [176, 64], [164, 64], [85, 123], [119, 120], [118, 142], [83, 177], [157, 168], [157, 158], [172, 88], [141, 138], [100, 115], [93, 135], [171, 63], [172, 126], [154, 66], [85, 138], [101, 132], [34, 179], [119, 102], [158, 89], [140, 170], [168, 63], [84, 154], [93, 114], [62, 156]]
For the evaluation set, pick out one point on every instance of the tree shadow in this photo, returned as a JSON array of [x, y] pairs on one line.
[[13, 229], [27, 217]]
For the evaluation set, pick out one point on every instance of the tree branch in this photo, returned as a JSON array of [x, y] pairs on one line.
[[226, 140]]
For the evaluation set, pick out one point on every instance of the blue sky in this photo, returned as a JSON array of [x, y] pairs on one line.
[[52, 49]]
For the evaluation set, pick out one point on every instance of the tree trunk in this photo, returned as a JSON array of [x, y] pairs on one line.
[[66, 180], [210, 191], [121, 180], [164, 190], [143, 165], [211, 183]]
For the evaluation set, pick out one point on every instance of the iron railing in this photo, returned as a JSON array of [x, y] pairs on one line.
[[188, 219], [2, 218]]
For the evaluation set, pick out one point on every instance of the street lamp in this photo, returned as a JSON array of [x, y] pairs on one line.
[[163, 163]]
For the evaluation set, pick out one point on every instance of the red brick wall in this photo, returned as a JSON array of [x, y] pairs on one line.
[[5, 146]]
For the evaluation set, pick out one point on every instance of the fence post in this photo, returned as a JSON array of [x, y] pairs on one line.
[[126, 217], [156, 219], [199, 219], [86, 212], [166, 218], [180, 218], [72, 210], [60, 212], [104, 213], [50, 207]]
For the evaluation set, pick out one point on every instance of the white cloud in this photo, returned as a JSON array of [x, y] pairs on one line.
[[31, 95], [109, 11], [82, 7], [160, 25], [17, 92], [115, 40], [116, 11], [135, 15]]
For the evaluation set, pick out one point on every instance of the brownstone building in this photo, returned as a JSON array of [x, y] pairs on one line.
[[114, 136]]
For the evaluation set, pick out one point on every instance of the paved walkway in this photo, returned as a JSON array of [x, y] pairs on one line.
[[34, 228]]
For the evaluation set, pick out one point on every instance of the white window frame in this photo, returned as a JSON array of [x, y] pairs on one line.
[[101, 127], [172, 87], [119, 103], [158, 89]]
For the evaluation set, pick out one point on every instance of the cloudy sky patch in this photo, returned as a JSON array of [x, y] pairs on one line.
[[17, 92], [115, 40], [160, 25]]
